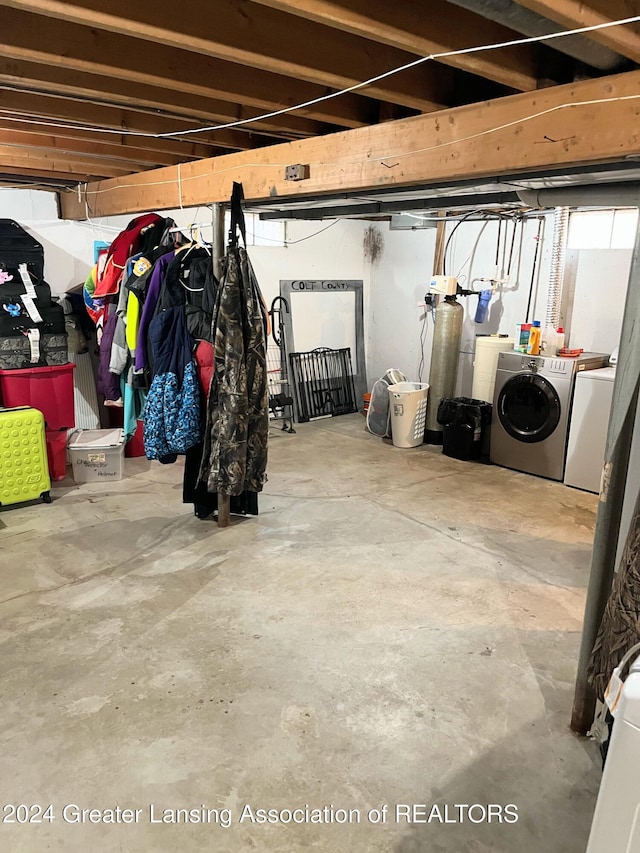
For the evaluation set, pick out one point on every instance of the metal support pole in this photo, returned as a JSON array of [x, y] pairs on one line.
[[219, 236], [218, 244], [620, 433]]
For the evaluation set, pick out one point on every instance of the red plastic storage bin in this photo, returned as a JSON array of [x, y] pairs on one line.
[[57, 453], [48, 389], [135, 446]]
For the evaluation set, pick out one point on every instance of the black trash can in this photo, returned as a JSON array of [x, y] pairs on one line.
[[465, 422]]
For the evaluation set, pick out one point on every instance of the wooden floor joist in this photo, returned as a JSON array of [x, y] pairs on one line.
[[14, 104], [107, 54], [160, 101], [593, 121], [42, 162], [265, 40], [104, 148], [446, 28]]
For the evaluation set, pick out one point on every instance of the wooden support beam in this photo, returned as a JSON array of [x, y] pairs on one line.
[[109, 54], [55, 80], [546, 129], [68, 164], [576, 13], [258, 37], [445, 28], [126, 121], [104, 148]]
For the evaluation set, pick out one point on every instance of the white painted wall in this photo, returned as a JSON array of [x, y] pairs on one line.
[[68, 246], [394, 283], [399, 283], [319, 319], [473, 254]]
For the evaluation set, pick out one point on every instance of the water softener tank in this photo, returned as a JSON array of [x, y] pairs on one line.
[[447, 337]]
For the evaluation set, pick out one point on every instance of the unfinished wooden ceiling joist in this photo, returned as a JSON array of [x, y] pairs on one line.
[[139, 71]]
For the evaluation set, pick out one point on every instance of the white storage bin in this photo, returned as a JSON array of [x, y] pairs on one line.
[[96, 455]]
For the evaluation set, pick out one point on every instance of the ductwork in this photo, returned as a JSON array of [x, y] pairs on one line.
[[597, 195], [531, 24]]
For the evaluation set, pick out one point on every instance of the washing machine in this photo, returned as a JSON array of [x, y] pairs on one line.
[[531, 408]]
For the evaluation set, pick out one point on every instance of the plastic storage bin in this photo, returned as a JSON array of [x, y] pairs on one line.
[[135, 446], [408, 405], [615, 824], [465, 421], [48, 389], [57, 453], [97, 455]]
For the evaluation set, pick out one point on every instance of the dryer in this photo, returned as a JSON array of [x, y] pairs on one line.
[[531, 408], [590, 414]]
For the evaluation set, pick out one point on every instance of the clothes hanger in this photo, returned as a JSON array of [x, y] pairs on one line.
[[196, 240]]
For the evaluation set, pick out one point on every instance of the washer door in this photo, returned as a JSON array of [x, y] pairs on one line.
[[528, 407]]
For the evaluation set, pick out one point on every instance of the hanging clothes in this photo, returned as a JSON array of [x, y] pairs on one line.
[[143, 232], [190, 282], [620, 626], [235, 446], [155, 278], [108, 384], [194, 491], [171, 414]]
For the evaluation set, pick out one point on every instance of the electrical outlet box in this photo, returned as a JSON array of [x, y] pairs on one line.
[[297, 172]]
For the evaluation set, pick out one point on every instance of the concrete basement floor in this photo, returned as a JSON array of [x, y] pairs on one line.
[[396, 627]]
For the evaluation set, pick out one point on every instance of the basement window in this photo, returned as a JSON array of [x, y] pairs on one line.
[[261, 232], [603, 229]]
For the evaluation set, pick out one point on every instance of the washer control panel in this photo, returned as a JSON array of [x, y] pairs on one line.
[[515, 361], [559, 366]]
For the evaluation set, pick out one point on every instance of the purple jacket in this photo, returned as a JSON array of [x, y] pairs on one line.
[[149, 307], [108, 383]]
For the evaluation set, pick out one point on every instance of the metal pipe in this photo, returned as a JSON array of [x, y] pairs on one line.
[[530, 23], [620, 433], [598, 195], [217, 223], [534, 267]]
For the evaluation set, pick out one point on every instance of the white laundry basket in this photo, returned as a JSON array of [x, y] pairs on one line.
[[408, 405]]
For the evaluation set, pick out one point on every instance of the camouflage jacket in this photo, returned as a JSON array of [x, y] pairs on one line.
[[235, 445]]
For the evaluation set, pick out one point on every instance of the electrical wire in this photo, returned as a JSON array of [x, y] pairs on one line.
[[423, 339], [450, 237], [430, 58], [471, 257], [513, 242], [534, 266], [308, 237], [475, 212], [498, 243], [356, 86]]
